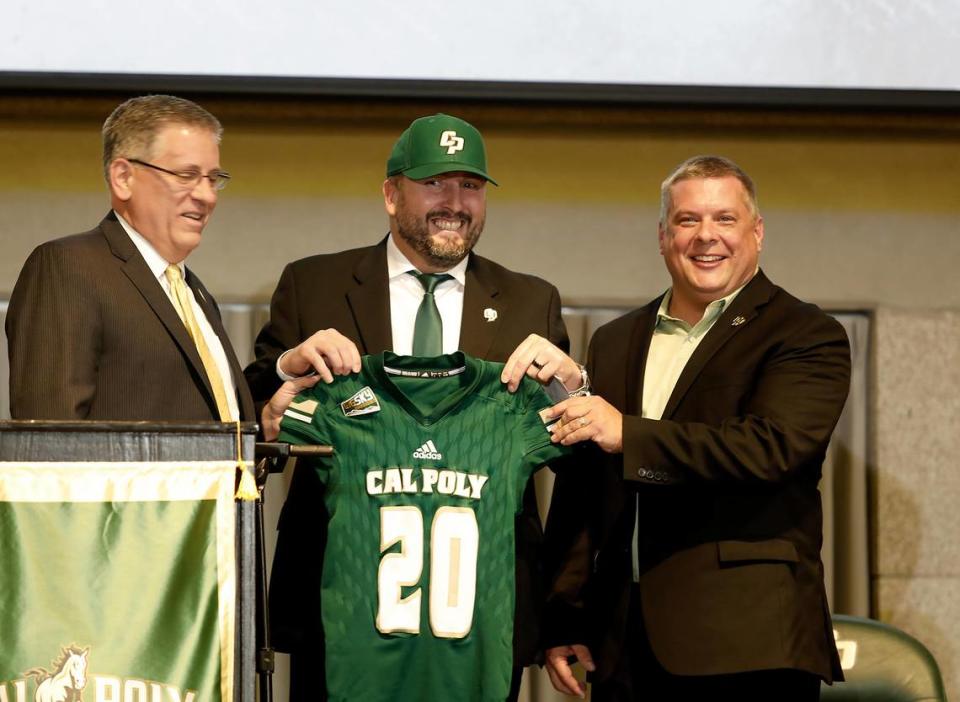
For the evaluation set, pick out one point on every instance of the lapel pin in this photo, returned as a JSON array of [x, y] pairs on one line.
[[490, 314], [737, 321]]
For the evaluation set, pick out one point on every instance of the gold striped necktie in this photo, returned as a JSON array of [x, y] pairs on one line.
[[181, 302]]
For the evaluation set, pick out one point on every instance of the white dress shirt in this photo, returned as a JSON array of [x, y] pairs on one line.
[[158, 266], [406, 293]]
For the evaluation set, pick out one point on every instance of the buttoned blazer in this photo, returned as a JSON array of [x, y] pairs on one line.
[[729, 522], [92, 335], [349, 292]]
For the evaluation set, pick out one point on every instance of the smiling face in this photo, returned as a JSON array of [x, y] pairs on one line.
[[436, 221], [167, 214], [710, 240]]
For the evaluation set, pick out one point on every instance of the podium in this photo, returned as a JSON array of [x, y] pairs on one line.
[[127, 569]]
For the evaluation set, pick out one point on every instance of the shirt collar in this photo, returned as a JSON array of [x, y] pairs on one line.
[[398, 264], [155, 262], [710, 314]]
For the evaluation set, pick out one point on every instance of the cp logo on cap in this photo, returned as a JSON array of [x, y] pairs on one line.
[[451, 141]]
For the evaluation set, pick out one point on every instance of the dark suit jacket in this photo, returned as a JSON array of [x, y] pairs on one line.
[[92, 335], [730, 522], [349, 292]]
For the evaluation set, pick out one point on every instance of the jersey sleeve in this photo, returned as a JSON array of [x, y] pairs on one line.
[[535, 437], [304, 422]]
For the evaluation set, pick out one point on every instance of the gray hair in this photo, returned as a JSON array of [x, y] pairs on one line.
[[131, 128]]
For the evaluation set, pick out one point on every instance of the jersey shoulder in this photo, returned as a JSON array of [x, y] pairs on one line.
[[530, 396]]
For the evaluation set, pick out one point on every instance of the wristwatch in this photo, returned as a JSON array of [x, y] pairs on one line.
[[584, 389]]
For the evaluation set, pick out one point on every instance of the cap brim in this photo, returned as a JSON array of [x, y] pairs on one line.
[[431, 169]]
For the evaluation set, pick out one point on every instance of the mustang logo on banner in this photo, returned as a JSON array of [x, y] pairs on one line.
[[68, 678], [121, 577]]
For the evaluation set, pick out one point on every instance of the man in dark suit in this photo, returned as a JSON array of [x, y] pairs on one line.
[[688, 557], [110, 324], [328, 310]]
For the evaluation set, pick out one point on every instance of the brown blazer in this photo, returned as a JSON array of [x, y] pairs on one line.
[[730, 521], [348, 291], [92, 335]]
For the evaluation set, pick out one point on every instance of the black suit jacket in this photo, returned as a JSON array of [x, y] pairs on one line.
[[92, 335], [730, 522], [349, 292]]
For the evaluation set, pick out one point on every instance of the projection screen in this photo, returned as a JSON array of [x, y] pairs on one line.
[[625, 49]]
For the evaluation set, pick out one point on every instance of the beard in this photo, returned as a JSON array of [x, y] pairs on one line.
[[440, 251]]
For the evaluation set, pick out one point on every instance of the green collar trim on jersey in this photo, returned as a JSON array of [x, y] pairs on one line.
[[436, 369]]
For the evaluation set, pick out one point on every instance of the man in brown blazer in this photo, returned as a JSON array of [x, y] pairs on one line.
[[95, 327], [329, 309], [687, 559]]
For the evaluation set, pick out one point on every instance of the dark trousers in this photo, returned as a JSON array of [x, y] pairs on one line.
[[307, 679], [515, 684], [638, 677]]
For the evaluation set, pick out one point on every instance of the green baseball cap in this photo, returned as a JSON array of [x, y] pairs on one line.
[[438, 144]]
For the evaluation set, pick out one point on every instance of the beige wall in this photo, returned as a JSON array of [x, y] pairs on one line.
[[916, 482], [861, 212], [856, 214]]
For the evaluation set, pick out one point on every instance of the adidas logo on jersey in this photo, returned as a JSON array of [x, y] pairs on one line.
[[428, 451]]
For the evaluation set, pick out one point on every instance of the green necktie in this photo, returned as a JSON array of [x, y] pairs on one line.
[[428, 329]]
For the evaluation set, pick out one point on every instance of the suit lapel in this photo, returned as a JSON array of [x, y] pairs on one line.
[[483, 309], [637, 356], [369, 301], [731, 322], [136, 269], [209, 307]]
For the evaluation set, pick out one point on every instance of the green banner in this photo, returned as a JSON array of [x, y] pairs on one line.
[[117, 582]]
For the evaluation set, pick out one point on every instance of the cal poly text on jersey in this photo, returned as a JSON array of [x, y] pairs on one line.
[[386, 481]]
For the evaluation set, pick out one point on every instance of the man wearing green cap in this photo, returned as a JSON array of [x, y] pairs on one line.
[[419, 291]]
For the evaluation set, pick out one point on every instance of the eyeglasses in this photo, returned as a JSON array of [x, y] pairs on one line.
[[190, 179]]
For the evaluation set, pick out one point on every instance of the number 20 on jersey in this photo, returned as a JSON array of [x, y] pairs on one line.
[[454, 542]]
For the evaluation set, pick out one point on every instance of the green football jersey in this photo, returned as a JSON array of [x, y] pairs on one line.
[[431, 457]]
